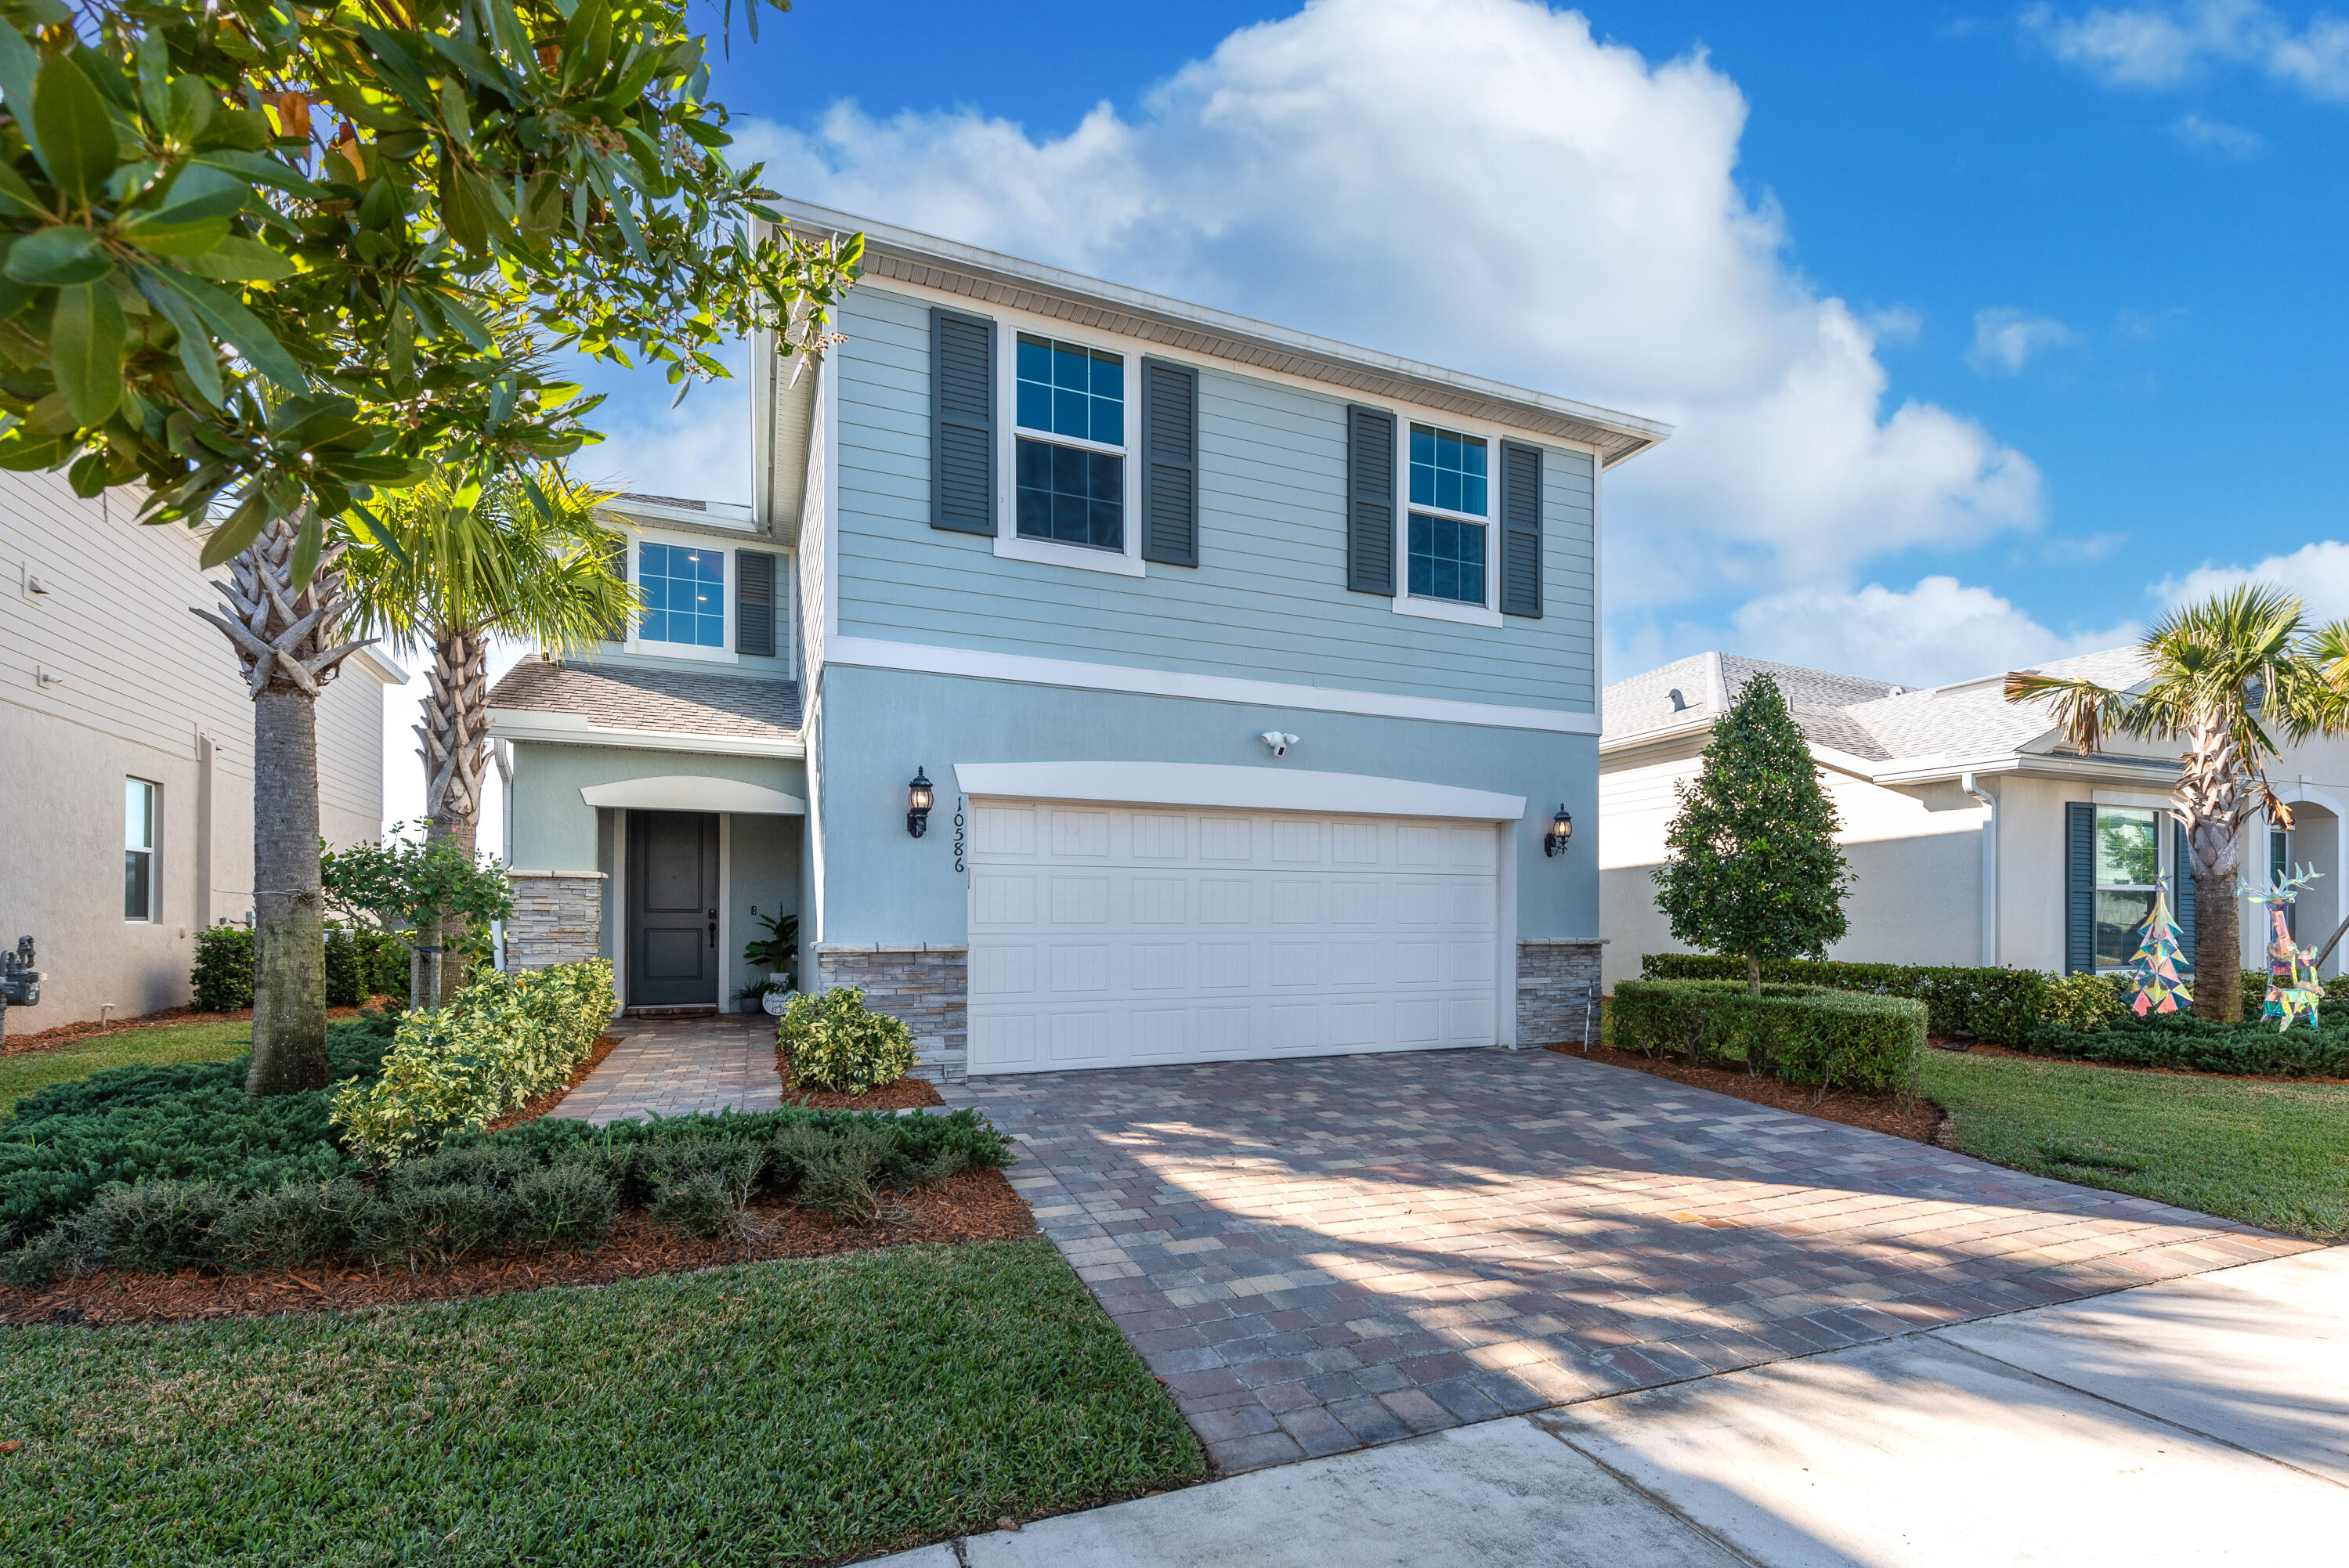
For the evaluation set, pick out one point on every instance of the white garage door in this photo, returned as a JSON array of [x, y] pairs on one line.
[[1112, 935]]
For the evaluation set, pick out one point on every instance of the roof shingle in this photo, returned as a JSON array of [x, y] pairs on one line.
[[677, 702]]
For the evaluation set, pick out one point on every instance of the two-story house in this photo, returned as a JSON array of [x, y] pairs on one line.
[[1102, 680]]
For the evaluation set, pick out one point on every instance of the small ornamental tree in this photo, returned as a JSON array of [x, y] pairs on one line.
[[1754, 872]]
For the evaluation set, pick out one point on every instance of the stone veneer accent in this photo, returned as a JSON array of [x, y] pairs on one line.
[[558, 918], [922, 985], [1557, 995]]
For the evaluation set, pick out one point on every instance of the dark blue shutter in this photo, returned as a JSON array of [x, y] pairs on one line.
[[1170, 464], [2183, 904], [2079, 887], [1369, 501], [754, 604], [1521, 529], [962, 422], [615, 562]]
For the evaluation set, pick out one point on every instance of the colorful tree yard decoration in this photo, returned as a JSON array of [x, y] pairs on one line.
[[2294, 989], [2151, 978]]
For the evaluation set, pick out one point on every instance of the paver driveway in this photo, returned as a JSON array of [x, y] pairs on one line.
[[1316, 1254]]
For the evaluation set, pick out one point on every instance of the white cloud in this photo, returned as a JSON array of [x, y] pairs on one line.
[[1484, 185], [1939, 631], [2161, 45], [2006, 340], [2217, 136], [2318, 572], [700, 448]]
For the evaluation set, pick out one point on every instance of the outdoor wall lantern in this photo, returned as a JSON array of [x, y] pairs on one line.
[[1561, 831], [917, 804]]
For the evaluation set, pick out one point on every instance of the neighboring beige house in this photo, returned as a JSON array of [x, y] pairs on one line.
[[1975, 834], [126, 754]]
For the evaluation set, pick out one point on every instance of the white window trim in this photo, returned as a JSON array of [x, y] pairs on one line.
[[2164, 871], [722, 655], [153, 849], [1009, 545], [1406, 602]]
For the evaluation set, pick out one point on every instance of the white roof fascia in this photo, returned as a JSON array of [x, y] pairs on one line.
[[1926, 769], [1206, 327], [1686, 727], [382, 668], [573, 729]]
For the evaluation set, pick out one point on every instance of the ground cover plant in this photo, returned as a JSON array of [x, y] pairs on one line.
[[2268, 1154], [1804, 1034], [773, 1413], [162, 1045]]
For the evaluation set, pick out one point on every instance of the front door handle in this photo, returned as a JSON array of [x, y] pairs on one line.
[[713, 928]]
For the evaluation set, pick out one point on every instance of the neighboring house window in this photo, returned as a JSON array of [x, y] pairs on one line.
[[138, 849], [2128, 871], [684, 588], [1071, 491], [2279, 868], [1448, 514]]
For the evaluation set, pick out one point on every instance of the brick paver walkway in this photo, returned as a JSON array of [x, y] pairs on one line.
[[1318, 1254], [675, 1066]]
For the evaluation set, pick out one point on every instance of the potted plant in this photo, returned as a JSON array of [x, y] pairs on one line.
[[777, 951], [777, 994]]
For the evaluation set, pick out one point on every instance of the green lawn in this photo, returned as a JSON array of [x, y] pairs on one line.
[[2272, 1154], [158, 1045], [772, 1413]]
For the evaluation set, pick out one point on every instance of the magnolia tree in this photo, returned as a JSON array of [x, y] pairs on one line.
[[1754, 869], [261, 259]]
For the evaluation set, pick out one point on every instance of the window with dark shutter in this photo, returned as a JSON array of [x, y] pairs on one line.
[[2079, 887], [1521, 529], [1369, 501], [1170, 464], [2183, 904], [962, 422], [615, 562], [754, 604]]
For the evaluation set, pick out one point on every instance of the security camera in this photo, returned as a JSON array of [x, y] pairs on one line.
[[1280, 741]]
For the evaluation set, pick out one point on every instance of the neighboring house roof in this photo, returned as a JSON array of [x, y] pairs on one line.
[[617, 698], [985, 275], [1867, 719]]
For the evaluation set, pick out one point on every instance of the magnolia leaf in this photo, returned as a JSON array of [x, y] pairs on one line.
[[166, 238], [261, 171], [60, 255], [240, 328], [76, 133], [18, 66], [307, 543], [196, 355], [242, 261], [17, 198], [201, 191], [242, 527], [86, 352]]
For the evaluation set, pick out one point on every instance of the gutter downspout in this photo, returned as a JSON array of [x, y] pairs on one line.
[[501, 753], [1988, 803]]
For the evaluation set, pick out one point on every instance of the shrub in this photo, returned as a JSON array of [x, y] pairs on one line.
[[1799, 1035], [222, 976], [505, 1040], [308, 1222], [701, 1185], [2002, 1005], [2181, 1040], [189, 1121], [2084, 1002], [416, 1226], [845, 1181], [567, 1207], [838, 1043], [363, 962], [154, 1227]]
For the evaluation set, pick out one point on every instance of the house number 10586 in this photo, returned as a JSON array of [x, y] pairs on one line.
[[958, 803]]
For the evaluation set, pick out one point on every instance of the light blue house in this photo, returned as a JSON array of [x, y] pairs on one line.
[[1101, 680]]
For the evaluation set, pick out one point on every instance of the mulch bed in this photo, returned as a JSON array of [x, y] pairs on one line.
[[533, 1110], [975, 1206], [1922, 1123], [71, 1033], [903, 1094]]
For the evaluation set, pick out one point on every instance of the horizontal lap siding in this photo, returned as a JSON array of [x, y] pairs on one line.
[[1267, 600]]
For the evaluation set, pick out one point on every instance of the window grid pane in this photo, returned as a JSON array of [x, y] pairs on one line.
[[1066, 389], [1071, 495], [2129, 852], [1447, 470], [1447, 559], [138, 849], [684, 588]]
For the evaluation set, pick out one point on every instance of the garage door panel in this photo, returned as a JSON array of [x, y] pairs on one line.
[[1111, 935]]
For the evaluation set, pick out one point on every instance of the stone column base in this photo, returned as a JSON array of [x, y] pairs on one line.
[[922, 986], [558, 918], [1557, 991]]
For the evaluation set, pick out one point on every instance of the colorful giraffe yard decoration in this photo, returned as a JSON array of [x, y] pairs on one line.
[[2294, 989]]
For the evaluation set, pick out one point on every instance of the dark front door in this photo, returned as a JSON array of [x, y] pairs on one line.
[[672, 908]]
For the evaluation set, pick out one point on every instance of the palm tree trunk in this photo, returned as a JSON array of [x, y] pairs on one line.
[[455, 750], [281, 634], [2218, 925]]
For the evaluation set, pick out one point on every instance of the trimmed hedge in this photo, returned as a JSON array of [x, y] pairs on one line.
[[188, 1122], [361, 964], [1797, 1034], [2002, 1005], [222, 976], [505, 1040]]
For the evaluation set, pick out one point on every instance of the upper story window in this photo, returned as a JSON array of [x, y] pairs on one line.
[[1070, 490], [1449, 513], [138, 849], [2128, 872], [684, 588]]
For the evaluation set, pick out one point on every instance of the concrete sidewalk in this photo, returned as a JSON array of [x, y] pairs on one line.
[[2197, 1421]]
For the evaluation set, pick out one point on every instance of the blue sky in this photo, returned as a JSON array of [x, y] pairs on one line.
[[1987, 332]]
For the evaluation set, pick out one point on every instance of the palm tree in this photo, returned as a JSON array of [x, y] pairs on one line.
[[2229, 676], [283, 624], [519, 555]]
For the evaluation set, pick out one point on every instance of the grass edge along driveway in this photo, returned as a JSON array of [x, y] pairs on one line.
[[2269, 1153], [783, 1412]]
